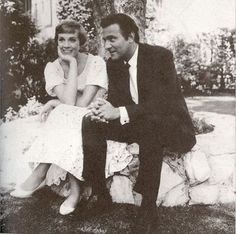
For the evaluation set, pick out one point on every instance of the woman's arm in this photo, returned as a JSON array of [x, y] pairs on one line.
[[67, 93], [83, 100], [47, 108], [88, 95]]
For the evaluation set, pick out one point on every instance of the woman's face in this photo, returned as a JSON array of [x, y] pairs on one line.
[[69, 43]]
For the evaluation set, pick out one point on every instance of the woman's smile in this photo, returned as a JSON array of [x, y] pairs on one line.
[[69, 43]]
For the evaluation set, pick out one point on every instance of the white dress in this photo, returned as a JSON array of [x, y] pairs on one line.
[[60, 141]]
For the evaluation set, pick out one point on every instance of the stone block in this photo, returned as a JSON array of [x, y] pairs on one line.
[[222, 168], [197, 166], [226, 195], [177, 196], [121, 190], [169, 180], [204, 194]]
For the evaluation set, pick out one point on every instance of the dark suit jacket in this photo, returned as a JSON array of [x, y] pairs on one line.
[[160, 97]]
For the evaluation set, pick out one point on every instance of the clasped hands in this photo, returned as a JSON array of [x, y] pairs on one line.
[[100, 110], [103, 111]]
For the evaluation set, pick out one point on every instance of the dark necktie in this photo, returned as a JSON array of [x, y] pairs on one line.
[[126, 80]]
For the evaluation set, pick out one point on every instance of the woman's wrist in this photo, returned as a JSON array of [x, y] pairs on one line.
[[73, 62], [54, 102]]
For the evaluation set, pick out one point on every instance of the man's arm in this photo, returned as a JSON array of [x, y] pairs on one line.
[[160, 91], [165, 106]]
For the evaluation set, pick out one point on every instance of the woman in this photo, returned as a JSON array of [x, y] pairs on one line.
[[76, 79]]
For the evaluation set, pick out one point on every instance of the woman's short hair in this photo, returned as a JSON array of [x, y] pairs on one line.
[[71, 26], [126, 23]]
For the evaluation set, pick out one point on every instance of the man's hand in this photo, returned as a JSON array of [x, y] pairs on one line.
[[104, 110], [94, 106]]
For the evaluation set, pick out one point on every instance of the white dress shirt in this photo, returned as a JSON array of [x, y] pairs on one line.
[[124, 117]]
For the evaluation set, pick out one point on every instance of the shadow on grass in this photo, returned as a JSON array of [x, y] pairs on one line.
[[39, 214]]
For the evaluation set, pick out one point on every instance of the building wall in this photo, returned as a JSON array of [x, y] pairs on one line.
[[44, 14]]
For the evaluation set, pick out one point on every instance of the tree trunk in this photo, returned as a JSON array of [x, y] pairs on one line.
[[222, 80], [102, 8]]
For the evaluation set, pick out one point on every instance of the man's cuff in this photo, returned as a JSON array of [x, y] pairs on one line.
[[124, 117]]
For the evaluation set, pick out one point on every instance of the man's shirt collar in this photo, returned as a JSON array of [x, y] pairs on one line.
[[134, 59]]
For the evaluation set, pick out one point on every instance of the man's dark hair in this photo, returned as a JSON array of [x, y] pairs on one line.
[[126, 23]]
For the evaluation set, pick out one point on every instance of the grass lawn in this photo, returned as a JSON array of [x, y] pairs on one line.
[[39, 214]]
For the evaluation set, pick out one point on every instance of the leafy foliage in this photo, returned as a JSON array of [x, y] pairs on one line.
[[205, 65], [22, 58], [80, 11], [205, 62], [16, 27], [31, 108]]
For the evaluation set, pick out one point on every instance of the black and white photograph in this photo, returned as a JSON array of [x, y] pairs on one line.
[[117, 117]]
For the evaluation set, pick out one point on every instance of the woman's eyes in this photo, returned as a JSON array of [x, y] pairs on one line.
[[70, 39]]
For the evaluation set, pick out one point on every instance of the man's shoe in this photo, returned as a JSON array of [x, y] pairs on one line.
[[98, 204], [146, 221]]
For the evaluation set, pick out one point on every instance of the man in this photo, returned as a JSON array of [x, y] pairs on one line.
[[144, 105]]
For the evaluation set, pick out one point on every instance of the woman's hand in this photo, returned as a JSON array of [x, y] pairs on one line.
[[67, 92], [94, 108], [66, 57], [47, 108]]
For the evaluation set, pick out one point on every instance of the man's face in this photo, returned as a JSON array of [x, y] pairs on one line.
[[115, 43]]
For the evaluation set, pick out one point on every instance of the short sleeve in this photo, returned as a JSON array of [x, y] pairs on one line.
[[53, 77], [98, 73]]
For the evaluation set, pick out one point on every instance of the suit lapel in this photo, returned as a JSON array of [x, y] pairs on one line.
[[118, 76], [120, 83]]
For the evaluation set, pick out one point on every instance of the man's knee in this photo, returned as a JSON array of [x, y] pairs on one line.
[[93, 133]]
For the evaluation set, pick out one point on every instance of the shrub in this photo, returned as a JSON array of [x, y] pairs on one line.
[[15, 32], [22, 58], [205, 65], [80, 11], [31, 108]]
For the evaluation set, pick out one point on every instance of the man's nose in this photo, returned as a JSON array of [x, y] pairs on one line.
[[107, 45]]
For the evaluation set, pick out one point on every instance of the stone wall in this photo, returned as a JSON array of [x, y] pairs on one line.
[[206, 175]]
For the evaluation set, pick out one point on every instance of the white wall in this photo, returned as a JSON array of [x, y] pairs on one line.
[[44, 15]]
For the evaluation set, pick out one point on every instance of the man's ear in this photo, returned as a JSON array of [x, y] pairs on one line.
[[131, 37]]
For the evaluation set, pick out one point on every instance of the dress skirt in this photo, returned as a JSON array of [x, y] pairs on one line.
[[60, 144]]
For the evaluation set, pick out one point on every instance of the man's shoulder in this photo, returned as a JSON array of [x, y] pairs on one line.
[[155, 50]]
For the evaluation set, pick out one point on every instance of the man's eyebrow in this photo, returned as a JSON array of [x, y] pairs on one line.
[[109, 36]]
